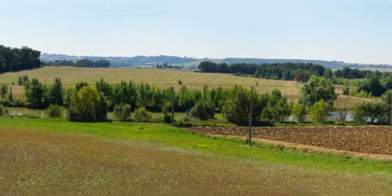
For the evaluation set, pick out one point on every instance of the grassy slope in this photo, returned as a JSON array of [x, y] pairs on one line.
[[48, 155], [175, 137]]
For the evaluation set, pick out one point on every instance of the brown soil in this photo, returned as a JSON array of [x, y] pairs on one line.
[[369, 139]]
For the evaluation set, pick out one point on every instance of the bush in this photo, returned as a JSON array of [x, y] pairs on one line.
[[319, 111], [369, 112], [87, 106], [203, 110], [316, 89], [123, 112], [3, 110], [277, 108], [55, 111], [142, 115], [237, 106], [299, 112]]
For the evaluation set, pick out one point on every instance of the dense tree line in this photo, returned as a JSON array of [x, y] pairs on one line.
[[129, 101], [16, 59], [79, 63], [349, 73], [286, 71]]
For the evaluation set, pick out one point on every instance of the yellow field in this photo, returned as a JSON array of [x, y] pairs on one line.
[[156, 77]]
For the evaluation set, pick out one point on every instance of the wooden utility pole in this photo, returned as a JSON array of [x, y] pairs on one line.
[[250, 117], [390, 108], [172, 103]]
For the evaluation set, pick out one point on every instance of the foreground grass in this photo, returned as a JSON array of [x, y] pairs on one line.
[[174, 137], [49, 156]]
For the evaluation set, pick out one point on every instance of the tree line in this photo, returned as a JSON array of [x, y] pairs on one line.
[[86, 102], [79, 63], [16, 59], [285, 71]]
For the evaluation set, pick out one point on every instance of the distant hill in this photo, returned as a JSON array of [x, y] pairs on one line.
[[192, 62]]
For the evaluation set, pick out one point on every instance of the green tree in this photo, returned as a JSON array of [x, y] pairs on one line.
[[299, 112], [56, 93], [277, 108], [316, 89], [87, 106], [203, 110], [36, 95], [370, 112], [372, 86], [237, 106], [3, 91], [319, 111]]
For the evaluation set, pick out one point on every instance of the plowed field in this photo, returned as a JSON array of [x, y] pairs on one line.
[[372, 140]]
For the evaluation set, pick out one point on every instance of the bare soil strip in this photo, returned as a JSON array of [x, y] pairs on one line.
[[368, 142]]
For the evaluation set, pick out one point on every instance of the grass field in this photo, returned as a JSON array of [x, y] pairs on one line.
[[48, 156]]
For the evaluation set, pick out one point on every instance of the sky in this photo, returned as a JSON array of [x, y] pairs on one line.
[[345, 30]]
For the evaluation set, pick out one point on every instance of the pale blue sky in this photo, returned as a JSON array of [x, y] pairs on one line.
[[348, 30]]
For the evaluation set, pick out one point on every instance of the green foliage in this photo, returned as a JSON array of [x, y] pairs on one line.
[[299, 112], [22, 80], [123, 112], [125, 93], [87, 105], [3, 110], [316, 89], [372, 86], [36, 95], [369, 112], [106, 90], [203, 110], [55, 111], [15, 59], [56, 93], [277, 108], [142, 115], [319, 111], [3, 91], [237, 106], [346, 90]]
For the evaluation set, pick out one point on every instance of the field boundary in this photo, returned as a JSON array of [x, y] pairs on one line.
[[312, 149]]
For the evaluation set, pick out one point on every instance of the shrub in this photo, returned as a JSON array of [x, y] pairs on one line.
[[277, 108], [123, 112], [299, 112], [55, 111], [319, 111], [87, 106], [203, 110], [369, 112], [237, 106], [316, 89], [3, 110], [142, 115]]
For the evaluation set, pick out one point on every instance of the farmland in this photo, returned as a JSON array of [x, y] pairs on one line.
[[161, 78], [48, 156]]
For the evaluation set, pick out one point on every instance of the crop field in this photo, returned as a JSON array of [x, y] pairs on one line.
[[369, 139], [161, 78], [49, 156], [156, 77]]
